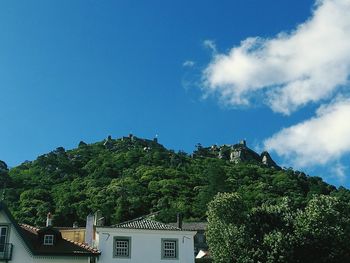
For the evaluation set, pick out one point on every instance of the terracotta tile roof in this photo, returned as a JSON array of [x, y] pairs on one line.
[[85, 246], [144, 223], [29, 228], [62, 246]]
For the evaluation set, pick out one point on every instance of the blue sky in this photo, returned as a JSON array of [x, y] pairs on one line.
[[189, 71]]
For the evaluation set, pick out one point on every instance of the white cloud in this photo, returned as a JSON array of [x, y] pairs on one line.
[[211, 45], [339, 171], [188, 63], [310, 64], [292, 69], [320, 140]]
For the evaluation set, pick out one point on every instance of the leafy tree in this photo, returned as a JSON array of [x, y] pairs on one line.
[[226, 233], [322, 231], [280, 232]]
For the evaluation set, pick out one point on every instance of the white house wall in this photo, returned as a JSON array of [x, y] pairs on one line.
[[145, 245], [20, 251]]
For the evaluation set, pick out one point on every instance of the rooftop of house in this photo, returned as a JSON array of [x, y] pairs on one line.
[[34, 237], [61, 245], [145, 223], [192, 226]]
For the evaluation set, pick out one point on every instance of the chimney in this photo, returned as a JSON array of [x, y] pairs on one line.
[[179, 220], [89, 231], [49, 220], [99, 219]]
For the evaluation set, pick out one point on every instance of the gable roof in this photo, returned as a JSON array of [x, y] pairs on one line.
[[145, 223], [192, 226], [63, 247]]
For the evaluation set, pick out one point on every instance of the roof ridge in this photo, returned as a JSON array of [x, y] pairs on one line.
[[139, 218], [129, 221], [146, 223], [30, 228]]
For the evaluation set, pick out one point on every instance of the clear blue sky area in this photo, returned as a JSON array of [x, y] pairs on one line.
[[83, 70]]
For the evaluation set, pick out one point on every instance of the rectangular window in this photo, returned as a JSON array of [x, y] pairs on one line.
[[3, 238], [169, 248], [48, 240], [122, 247]]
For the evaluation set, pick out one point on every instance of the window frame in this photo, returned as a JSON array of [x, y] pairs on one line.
[[121, 238], [7, 236], [164, 240], [50, 237]]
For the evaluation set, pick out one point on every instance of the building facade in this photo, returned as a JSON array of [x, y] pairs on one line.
[[144, 240]]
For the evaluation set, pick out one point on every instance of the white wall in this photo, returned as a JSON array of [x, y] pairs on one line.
[[145, 245], [20, 251]]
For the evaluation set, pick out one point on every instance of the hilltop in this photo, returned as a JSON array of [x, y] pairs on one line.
[[236, 153], [128, 177]]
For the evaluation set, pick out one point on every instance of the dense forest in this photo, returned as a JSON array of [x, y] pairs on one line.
[[128, 177]]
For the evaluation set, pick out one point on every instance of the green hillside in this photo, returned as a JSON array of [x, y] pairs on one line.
[[129, 177]]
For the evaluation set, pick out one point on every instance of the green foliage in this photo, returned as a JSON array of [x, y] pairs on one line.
[[131, 177], [322, 231], [226, 233], [319, 232]]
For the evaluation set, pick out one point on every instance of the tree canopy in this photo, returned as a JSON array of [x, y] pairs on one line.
[[130, 177], [280, 232]]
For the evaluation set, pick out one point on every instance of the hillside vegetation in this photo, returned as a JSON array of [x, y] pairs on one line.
[[129, 177]]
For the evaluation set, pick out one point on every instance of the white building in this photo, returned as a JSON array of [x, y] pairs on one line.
[[144, 241], [27, 244]]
